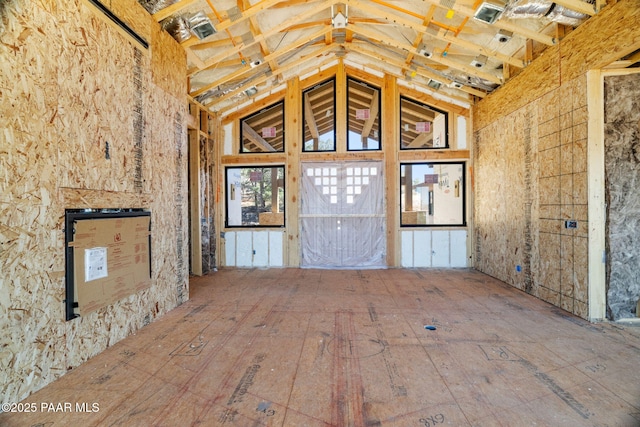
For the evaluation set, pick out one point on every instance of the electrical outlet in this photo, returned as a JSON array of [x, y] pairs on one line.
[[571, 224]]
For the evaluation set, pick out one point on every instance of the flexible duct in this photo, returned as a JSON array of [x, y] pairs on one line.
[[153, 6], [562, 15], [177, 27], [532, 9], [523, 9]]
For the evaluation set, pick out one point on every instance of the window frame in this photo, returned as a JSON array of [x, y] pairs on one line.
[[304, 117], [227, 195], [428, 107], [379, 114], [462, 189], [253, 115]]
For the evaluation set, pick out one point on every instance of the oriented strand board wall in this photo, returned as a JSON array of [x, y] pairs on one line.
[[530, 178], [505, 207], [82, 125], [622, 168], [530, 161]]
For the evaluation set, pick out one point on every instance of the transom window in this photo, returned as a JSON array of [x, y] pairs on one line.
[[422, 126], [363, 106], [319, 106], [263, 132]]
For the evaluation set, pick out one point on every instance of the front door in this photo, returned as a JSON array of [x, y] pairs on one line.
[[343, 215]]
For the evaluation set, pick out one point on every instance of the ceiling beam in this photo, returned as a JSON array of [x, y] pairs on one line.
[[418, 39], [420, 71], [352, 19], [254, 27], [445, 61], [237, 62], [289, 3], [499, 24], [172, 9], [278, 28], [280, 70], [624, 63], [578, 6], [425, 94], [226, 111], [406, 22], [359, 47], [246, 14], [272, 57], [194, 58], [419, 141], [227, 23], [215, 43]]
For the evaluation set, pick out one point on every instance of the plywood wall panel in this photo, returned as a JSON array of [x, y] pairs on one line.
[[132, 14], [523, 240], [29, 94], [504, 203], [28, 156], [70, 83], [170, 204], [598, 42], [102, 93], [554, 88], [169, 64], [538, 79], [489, 200]]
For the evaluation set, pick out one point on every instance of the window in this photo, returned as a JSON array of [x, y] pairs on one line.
[[255, 196], [422, 126], [263, 132], [363, 106], [432, 194], [319, 106]]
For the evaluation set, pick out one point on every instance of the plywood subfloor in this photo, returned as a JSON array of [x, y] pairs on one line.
[[296, 347]]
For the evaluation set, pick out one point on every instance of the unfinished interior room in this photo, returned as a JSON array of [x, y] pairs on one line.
[[320, 213]]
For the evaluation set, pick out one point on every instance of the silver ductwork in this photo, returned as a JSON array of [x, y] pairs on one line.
[[562, 15], [177, 27], [153, 6], [527, 9], [182, 27], [535, 9]]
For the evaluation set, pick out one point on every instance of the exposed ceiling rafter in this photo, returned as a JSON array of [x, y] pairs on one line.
[[434, 46], [283, 68], [442, 60], [399, 19], [275, 30], [272, 57]]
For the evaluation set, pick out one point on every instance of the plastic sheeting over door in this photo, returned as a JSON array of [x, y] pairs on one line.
[[342, 215]]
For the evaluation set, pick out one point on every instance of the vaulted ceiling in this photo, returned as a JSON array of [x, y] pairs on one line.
[[239, 49]]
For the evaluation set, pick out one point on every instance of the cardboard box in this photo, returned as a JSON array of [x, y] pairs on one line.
[[111, 260]]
